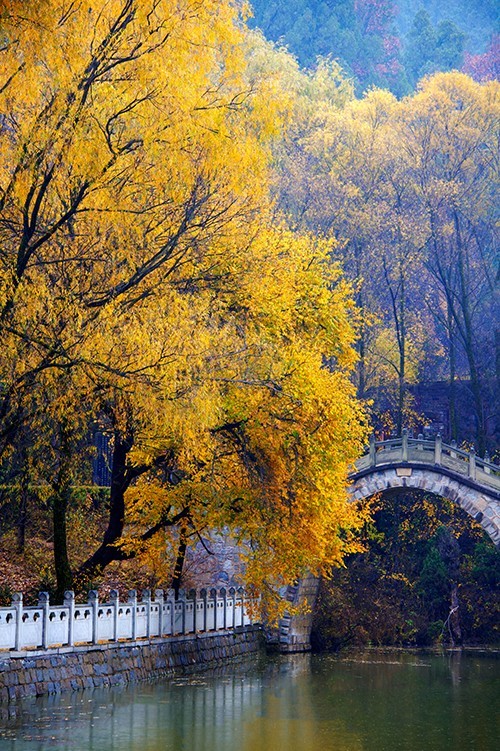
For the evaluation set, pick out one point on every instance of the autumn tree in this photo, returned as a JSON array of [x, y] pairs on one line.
[[450, 135], [361, 193], [383, 176], [145, 287], [484, 67]]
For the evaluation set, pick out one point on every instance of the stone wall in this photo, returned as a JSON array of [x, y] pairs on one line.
[[34, 673], [298, 636], [293, 633]]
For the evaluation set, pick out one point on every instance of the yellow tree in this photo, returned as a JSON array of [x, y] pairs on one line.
[[143, 284], [122, 157], [108, 173], [364, 197], [449, 137], [271, 431]]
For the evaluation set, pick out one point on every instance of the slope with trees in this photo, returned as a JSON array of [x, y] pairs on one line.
[[408, 189], [386, 43]]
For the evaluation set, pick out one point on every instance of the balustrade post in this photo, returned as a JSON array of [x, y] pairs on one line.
[[182, 598], [420, 442], [132, 602], [146, 601], [232, 593], [453, 445], [159, 600], [405, 445], [171, 601], [224, 600], [203, 595], [69, 602], [17, 604], [373, 451], [486, 463], [192, 596], [213, 595], [94, 604], [438, 449], [472, 464], [44, 604], [241, 592], [114, 598]]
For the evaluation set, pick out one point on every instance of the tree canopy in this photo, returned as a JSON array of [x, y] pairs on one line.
[[148, 290], [407, 188]]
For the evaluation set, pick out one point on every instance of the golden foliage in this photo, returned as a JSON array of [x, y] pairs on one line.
[[145, 285]]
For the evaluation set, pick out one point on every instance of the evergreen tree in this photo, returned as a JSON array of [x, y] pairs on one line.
[[421, 47]]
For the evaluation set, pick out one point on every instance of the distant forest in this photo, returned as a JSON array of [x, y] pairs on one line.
[[384, 43]]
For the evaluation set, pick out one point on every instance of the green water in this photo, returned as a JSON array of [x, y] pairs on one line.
[[371, 701]]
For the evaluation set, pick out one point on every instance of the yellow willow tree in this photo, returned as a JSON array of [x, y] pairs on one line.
[[448, 135], [267, 432], [143, 285], [120, 154]]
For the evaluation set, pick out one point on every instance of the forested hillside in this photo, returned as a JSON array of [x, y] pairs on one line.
[[407, 190], [477, 18], [389, 43]]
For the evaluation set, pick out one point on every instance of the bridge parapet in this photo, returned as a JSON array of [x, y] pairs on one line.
[[435, 453]]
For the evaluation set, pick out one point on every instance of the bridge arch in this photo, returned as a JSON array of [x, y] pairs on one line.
[[433, 467], [482, 508]]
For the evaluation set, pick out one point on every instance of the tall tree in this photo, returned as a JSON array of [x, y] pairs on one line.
[[451, 128], [145, 286]]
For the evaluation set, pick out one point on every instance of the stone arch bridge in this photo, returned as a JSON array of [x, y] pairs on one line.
[[435, 467], [428, 465]]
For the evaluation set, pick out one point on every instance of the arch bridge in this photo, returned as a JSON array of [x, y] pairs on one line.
[[434, 467], [428, 465]]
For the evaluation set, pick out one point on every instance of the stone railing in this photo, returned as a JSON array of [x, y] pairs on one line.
[[431, 452], [46, 626]]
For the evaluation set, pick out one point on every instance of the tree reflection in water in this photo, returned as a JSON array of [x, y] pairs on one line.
[[364, 702]]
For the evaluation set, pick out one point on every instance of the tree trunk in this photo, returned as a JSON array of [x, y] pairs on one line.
[[179, 563], [468, 341], [452, 394], [401, 331], [60, 503], [120, 480], [64, 576], [22, 519], [361, 363], [361, 344]]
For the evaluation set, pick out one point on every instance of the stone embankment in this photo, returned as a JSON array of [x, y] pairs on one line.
[[294, 631], [35, 673]]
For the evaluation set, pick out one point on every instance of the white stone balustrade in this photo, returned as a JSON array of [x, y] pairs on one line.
[[45, 626], [433, 453]]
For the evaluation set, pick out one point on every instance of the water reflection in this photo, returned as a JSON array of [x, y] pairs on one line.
[[366, 702]]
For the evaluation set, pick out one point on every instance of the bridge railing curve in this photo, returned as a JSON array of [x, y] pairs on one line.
[[408, 450]]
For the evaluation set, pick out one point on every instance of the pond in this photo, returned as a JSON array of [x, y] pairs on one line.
[[369, 701]]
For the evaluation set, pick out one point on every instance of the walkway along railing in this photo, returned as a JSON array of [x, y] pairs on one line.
[[408, 450], [46, 626]]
